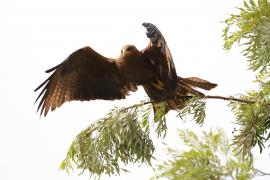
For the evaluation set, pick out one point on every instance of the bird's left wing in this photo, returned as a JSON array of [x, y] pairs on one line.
[[158, 53]]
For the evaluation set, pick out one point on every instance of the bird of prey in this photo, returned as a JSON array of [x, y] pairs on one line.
[[87, 75]]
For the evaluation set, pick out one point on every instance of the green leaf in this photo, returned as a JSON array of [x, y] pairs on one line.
[[116, 138], [253, 119], [205, 161], [194, 110], [252, 3], [250, 27]]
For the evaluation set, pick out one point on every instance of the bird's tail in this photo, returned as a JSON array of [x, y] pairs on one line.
[[197, 82], [184, 91]]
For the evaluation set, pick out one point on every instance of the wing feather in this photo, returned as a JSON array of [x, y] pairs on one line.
[[84, 75], [159, 53]]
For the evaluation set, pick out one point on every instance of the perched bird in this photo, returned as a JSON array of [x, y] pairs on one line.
[[87, 75]]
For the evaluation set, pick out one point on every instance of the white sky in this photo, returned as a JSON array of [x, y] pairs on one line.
[[36, 35]]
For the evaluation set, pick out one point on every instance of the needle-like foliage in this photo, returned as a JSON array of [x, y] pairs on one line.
[[254, 120], [209, 157], [195, 110], [122, 137], [119, 137], [252, 27]]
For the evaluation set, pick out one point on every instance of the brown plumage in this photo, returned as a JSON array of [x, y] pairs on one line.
[[86, 75], [177, 99], [185, 87]]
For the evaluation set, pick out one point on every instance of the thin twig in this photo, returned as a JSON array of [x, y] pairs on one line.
[[261, 173], [187, 97], [155, 102], [231, 99], [180, 97]]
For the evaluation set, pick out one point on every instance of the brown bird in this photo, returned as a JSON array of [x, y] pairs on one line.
[[86, 75]]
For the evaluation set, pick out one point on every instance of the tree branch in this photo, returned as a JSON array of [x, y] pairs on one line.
[[261, 173], [183, 97], [230, 99], [155, 102], [187, 97]]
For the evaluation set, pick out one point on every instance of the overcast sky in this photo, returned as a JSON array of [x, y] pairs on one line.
[[37, 35]]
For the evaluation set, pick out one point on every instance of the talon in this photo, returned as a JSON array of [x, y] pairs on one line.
[[159, 85]]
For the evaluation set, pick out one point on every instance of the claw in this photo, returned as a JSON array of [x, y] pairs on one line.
[[159, 85]]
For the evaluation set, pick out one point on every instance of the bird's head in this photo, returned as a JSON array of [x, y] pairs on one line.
[[129, 50]]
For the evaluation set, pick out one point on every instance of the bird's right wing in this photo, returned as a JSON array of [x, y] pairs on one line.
[[84, 75]]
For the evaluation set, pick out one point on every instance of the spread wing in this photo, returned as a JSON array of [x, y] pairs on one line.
[[84, 75], [160, 56]]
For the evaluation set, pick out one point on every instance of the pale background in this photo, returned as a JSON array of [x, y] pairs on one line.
[[37, 35]]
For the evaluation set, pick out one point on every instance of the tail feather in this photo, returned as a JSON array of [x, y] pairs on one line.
[[180, 98], [185, 87], [198, 82]]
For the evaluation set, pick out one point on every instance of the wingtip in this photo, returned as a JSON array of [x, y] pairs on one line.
[[214, 85], [151, 29], [53, 68], [147, 25]]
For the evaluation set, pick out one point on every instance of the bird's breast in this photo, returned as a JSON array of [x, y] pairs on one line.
[[138, 70]]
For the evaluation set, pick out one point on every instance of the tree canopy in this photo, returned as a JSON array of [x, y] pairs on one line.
[[209, 157]]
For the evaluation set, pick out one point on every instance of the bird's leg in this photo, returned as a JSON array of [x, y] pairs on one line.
[[159, 85]]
